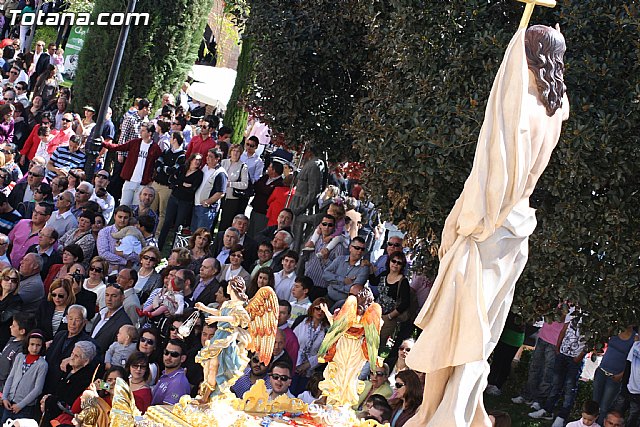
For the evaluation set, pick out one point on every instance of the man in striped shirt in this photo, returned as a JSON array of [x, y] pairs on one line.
[[65, 158]]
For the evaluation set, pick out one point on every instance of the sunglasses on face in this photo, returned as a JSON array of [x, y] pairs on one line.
[[173, 354], [396, 261], [102, 176], [399, 385], [67, 120], [358, 248], [15, 73], [149, 258], [36, 175], [96, 269], [149, 341], [82, 191], [395, 245], [327, 224], [377, 374], [139, 366], [12, 279], [251, 146], [58, 295], [277, 377]]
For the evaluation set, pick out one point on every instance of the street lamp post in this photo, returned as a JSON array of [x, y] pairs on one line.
[[94, 143]]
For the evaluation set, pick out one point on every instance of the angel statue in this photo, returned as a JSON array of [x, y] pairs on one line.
[[352, 339], [225, 356]]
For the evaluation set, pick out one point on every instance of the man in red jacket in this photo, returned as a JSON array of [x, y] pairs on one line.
[[137, 170], [204, 141]]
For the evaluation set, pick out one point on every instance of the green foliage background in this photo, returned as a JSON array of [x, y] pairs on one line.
[[157, 57], [410, 91]]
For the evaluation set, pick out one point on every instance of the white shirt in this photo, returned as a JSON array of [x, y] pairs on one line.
[[107, 205], [142, 159], [579, 423], [255, 165], [634, 378], [103, 320], [202, 193], [284, 283]]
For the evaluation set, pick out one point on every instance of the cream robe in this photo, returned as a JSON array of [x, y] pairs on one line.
[[484, 248]]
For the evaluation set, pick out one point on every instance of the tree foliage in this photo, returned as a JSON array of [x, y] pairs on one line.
[[156, 60], [236, 115], [307, 58], [430, 72]]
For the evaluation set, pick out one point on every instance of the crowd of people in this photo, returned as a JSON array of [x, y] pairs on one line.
[[81, 247]]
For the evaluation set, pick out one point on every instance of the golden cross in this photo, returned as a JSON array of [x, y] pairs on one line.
[[528, 10]]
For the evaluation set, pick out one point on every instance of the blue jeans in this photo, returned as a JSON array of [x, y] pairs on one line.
[[565, 382], [627, 401], [605, 390], [203, 217], [540, 377]]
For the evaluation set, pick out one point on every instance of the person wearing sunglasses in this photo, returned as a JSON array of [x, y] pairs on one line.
[[54, 308], [64, 135], [10, 302], [394, 294], [255, 370], [280, 377], [394, 244], [378, 383], [173, 383], [346, 271], [139, 375], [202, 142], [408, 397], [149, 344], [148, 278], [24, 190]]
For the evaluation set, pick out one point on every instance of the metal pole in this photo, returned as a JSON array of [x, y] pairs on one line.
[[94, 143], [29, 41]]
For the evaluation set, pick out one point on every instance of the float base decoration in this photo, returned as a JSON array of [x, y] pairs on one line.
[[254, 410]]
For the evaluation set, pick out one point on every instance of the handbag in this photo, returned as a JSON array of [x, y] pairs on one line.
[[238, 193]]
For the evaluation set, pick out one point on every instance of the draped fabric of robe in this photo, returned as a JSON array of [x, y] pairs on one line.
[[484, 248]]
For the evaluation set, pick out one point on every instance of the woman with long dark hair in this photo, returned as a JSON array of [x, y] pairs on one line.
[[149, 344], [408, 388]]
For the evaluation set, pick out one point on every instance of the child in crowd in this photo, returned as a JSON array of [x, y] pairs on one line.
[[339, 236], [170, 300], [124, 346], [58, 62], [299, 300], [590, 412], [21, 325], [26, 380], [130, 240]]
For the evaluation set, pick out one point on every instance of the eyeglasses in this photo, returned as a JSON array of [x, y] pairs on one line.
[[173, 328], [327, 224], [378, 374], [58, 295], [11, 279], [67, 120], [399, 385], [96, 269], [358, 248], [204, 127], [149, 258], [236, 255], [396, 261], [173, 354], [149, 341], [143, 366], [39, 213], [277, 377]]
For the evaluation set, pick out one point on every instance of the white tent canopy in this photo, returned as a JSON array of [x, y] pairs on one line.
[[212, 85]]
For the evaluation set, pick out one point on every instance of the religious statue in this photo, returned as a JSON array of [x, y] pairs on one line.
[[485, 238], [123, 405], [352, 339], [94, 411], [224, 357]]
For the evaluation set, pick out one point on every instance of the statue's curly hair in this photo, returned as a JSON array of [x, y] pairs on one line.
[[365, 299], [238, 286], [545, 48]]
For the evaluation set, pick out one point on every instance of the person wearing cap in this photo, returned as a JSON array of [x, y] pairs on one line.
[[66, 158], [85, 126]]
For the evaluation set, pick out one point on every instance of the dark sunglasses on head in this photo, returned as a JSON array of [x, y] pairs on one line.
[[277, 377], [149, 341], [173, 354]]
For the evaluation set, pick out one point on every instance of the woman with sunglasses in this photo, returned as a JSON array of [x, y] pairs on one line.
[[148, 344], [10, 302], [71, 254], [75, 177], [81, 236], [42, 194], [148, 278], [182, 197], [6, 123], [54, 308], [401, 364], [234, 268], [97, 280], [394, 295], [310, 333], [139, 374], [408, 392], [28, 151]]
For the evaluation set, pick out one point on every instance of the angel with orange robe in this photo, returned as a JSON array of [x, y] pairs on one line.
[[352, 339], [224, 356]]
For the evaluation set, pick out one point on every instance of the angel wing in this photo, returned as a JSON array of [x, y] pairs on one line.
[[371, 322], [341, 323], [263, 310], [123, 408]]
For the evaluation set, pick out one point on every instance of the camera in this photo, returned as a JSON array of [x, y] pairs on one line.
[[78, 277]]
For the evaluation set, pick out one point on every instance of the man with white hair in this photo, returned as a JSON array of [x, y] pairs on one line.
[[62, 219], [281, 244], [83, 194]]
